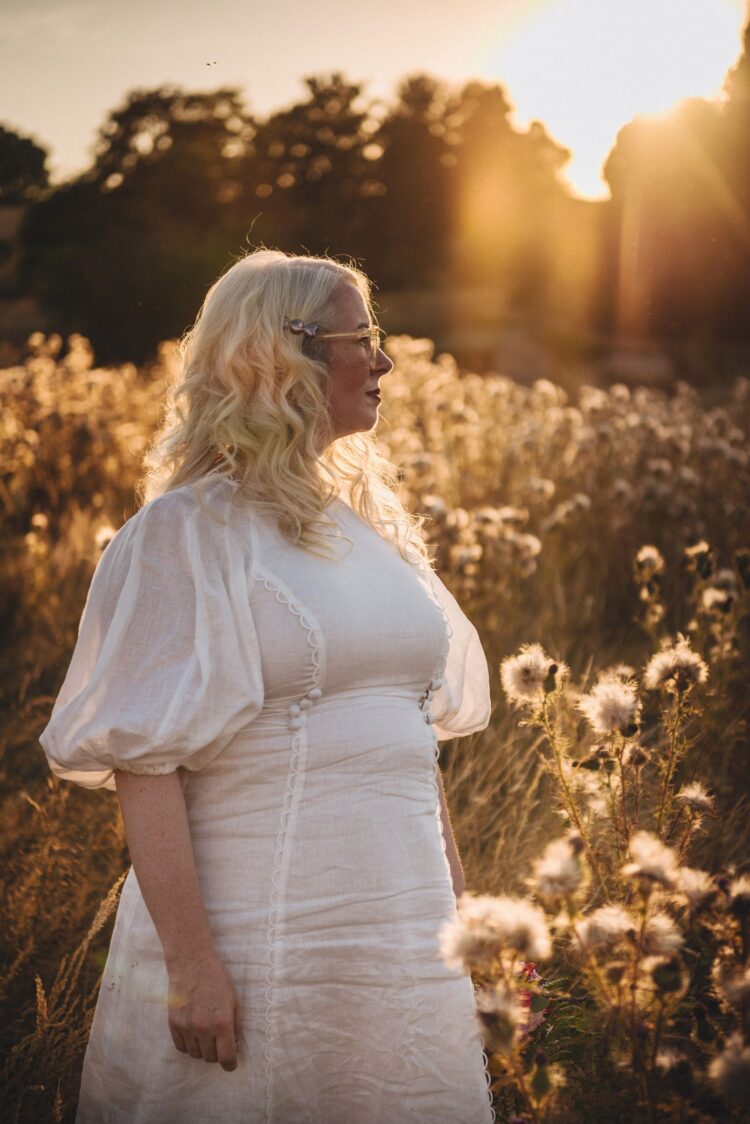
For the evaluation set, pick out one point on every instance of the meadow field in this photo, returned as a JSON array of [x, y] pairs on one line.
[[600, 543]]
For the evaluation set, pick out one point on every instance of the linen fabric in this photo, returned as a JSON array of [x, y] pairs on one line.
[[303, 701]]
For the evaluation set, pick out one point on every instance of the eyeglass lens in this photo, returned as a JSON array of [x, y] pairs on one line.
[[375, 342]]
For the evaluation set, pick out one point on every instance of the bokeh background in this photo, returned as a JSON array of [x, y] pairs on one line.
[[547, 188]]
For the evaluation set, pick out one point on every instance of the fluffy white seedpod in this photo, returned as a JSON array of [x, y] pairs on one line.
[[500, 1015], [695, 797], [696, 885], [524, 675], [612, 706], [486, 926], [602, 929], [739, 890], [661, 937], [675, 667], [650, 560], [733, 982], [651, 860], [558, 873], [730, 1071]]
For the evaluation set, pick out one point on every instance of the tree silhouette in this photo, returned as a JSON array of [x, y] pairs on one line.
[[125, 252], [410, 212], [23, 171], [679, 231], [304, 175], [437, 189]]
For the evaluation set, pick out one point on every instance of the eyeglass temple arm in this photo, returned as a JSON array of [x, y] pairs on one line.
[[345, 335]]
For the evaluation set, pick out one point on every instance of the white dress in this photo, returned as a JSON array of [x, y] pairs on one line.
[[302, 700]]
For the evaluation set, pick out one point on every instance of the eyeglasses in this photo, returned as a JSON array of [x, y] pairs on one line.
[[374, 336]]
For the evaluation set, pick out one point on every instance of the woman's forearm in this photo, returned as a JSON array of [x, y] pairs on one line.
[[454, 861], [161, 850]]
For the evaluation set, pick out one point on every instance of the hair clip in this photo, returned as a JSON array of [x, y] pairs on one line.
[[298, 327]]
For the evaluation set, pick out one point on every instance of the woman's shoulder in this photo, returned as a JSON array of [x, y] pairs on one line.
[[186, 512]]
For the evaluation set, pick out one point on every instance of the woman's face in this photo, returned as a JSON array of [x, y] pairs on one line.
[[351, 406]]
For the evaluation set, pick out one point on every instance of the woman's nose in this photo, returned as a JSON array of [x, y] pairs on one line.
[[383, 363]]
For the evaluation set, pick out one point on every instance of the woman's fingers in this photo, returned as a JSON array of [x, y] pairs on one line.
[[226, 1049], [193, 1046], [222, 1048], [208, 1049]]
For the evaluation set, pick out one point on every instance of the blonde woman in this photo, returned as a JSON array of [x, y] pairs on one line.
[[265, 665]]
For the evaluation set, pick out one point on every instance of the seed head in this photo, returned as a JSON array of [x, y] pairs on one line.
[[661, 937], [649, 561], [604, 928], [695, 797], [557, 874], [697, 886], [730, 1071], [676, 667], [487, 926], [612, 706], [651, 860], [526, 676]]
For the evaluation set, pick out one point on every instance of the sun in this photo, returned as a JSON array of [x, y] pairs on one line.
[[587, 67]]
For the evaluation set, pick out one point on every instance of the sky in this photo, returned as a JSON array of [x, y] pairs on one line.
[[583, 67]]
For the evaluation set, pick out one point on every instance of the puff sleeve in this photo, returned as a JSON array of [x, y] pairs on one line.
[[462, 705], [166, 668]]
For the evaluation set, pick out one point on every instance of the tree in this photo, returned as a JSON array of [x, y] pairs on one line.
[[306, 170], [414, 166], [126, 252], [23, 170]]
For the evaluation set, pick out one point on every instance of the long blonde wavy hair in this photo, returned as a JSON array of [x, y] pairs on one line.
[[255, 407]]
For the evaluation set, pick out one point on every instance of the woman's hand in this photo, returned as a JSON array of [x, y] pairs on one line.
[[204, 1011], [204, 1017]]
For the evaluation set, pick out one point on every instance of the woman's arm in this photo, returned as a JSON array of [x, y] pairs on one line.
[[203, 1005], [454, 862]]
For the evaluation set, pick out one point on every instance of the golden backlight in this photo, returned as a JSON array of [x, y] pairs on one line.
[[587, 67]]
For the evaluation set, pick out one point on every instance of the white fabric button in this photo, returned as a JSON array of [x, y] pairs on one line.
[[314, 693], [305, 703], [294, 710], [436, 683], [295, 723], [428, 694]]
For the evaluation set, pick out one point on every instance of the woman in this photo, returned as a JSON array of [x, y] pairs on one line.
[[264, 667]]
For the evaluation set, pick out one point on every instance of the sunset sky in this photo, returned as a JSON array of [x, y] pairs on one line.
[[584, 67]]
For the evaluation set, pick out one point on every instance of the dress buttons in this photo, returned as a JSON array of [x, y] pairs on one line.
[[436, 684], [294, 710], [305, 703], [428, 718], [295, 723], [314, 693]]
